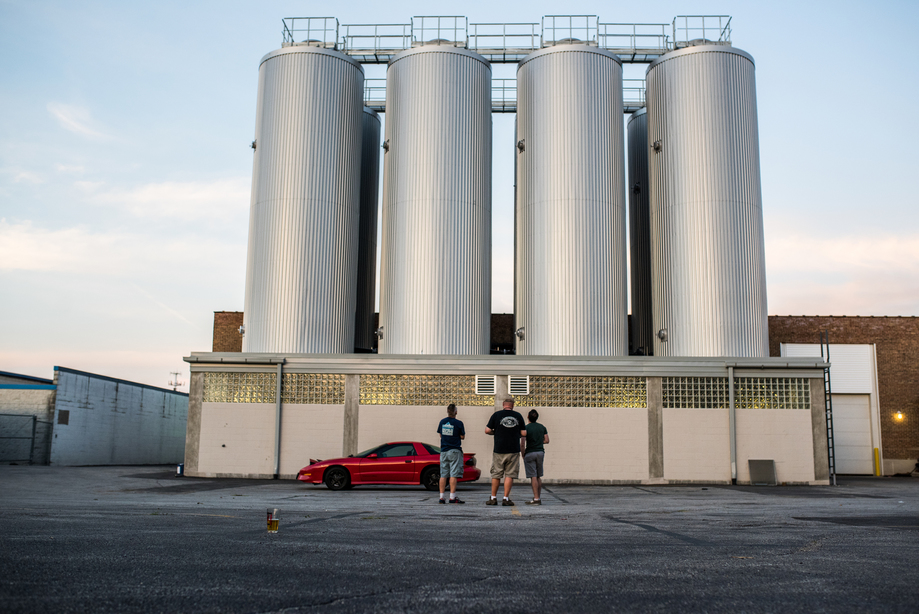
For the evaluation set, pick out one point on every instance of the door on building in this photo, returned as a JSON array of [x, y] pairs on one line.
[[852, 432]]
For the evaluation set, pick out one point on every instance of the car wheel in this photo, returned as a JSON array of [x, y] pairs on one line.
[[430, 478], [337, 478]]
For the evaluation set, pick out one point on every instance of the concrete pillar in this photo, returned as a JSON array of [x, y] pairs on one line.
[[352, 414], [655, 398], [818, 424], [193, 426], [500, 391]]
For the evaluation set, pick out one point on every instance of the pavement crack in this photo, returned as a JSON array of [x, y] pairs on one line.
[[545, 488], [652, 529]]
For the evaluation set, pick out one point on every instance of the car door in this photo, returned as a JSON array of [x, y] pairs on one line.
[[394, 464]]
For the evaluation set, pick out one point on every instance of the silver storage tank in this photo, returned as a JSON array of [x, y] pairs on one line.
[[435, 268], [708, 262], [302, 262], [642, 339], [367, 232], [570, 258]]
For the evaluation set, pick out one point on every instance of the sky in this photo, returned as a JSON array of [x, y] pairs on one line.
[[125, 166]]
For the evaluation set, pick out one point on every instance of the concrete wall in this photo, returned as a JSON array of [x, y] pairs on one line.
[[237, 439], [20, 401], [114, 422]]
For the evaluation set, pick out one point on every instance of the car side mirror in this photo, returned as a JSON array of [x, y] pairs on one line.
[[371, 456]]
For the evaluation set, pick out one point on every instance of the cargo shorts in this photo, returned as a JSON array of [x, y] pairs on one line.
[[505, 465], [451, 463]]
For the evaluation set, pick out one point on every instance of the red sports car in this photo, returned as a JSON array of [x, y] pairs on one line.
[[405, 462]]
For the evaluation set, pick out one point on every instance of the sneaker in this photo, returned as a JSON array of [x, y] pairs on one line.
[[534, 502], [491, 502], [507, 502], [457, 500], [442, 501]]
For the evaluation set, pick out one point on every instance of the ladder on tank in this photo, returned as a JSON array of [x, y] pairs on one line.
[[828, 403]]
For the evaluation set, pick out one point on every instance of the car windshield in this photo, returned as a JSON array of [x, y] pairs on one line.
[[367, 453], [431, 449]]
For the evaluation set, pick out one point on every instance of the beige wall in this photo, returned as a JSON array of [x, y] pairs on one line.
[[27, 402], [783, 435], [308, 431], [595, 443], [237, 439], [697, 445]]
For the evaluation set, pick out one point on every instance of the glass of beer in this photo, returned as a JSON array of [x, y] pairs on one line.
[[273, 519]]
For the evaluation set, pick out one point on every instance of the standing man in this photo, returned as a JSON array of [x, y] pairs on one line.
[[533, 456], [508, 428], [452, 433]]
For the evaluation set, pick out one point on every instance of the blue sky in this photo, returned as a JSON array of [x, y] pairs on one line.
[[125, 163]]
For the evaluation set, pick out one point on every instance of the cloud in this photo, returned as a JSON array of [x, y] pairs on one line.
[[76, 120], [222, 199], [843, 275], [69, 168], [17, 175], [24, 247]]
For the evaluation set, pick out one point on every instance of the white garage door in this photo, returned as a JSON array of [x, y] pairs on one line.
[[852, 431]]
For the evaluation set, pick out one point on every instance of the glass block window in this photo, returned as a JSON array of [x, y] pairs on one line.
[[421, 390], [772, 393], [239, 387], [313, 388], [584, 391], [696, 392], [303, 388]]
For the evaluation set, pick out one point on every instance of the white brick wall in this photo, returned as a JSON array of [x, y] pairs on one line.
[[697, 445], [783, 435]]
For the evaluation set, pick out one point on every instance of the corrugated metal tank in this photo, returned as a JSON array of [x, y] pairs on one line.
[[367, 232], [435, 269], [302, 263], [642, 341], [571, 280], [708, 261]]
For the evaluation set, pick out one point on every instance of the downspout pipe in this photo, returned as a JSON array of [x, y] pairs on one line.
[[732, 419], [277, 420]]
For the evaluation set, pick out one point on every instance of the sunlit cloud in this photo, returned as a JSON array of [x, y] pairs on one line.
[[843, 275], [222, 199], [76, 120], [24, 247]]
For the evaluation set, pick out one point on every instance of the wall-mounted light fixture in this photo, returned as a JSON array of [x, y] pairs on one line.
[[898, 416]]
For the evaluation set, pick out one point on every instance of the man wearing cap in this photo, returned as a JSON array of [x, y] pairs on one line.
[[510, 433]]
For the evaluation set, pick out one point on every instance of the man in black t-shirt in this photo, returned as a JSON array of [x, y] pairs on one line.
[[510, 434]]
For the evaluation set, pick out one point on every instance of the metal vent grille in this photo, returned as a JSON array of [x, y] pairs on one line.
[[518, 385], [485, 384]]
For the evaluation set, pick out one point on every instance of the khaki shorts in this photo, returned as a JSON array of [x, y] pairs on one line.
[[505, 465]]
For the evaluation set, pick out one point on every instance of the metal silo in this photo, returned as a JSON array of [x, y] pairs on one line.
[[302, 263], [571, 287], [367, 232], [640, 233], [708, 263], [435, 269]]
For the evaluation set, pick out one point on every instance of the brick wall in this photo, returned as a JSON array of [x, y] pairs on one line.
[[897, 341], [226, 331]]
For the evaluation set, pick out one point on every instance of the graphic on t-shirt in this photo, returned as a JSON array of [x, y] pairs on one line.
[[509, 422], [447, 429]]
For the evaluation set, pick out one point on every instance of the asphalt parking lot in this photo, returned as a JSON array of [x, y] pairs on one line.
[[136, 539]]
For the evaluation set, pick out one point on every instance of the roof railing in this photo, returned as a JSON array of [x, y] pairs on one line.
[[504, 42], [449, 30], [375, 43], [560, 29], [690, 29], [316, 31]]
